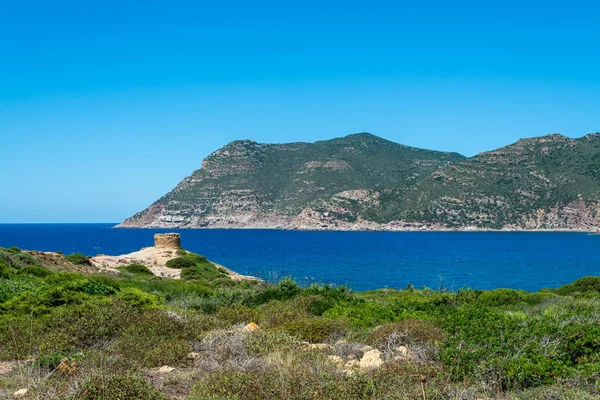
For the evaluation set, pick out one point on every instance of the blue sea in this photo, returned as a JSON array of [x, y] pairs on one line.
[[363, 260]]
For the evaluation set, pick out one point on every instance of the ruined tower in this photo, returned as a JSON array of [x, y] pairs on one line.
[[171, 240]]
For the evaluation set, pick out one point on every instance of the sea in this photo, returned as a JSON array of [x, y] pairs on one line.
[[362, 260]]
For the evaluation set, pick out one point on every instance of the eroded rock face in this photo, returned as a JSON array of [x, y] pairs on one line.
[[170, 240]]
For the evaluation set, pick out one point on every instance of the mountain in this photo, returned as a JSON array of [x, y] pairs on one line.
[[362, 181]]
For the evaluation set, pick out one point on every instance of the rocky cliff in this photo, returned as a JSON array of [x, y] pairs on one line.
[[365, 182]]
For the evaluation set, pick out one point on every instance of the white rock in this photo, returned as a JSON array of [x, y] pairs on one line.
[[337, 360], [371, 359], [19, 394], [165, 369], [194, 356], [402, 351]]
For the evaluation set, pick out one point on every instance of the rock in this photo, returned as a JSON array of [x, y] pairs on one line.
[[251, 327], [366, 349], [165, 369], [194, 356], [371, 359], [403, 353], [19, 394], [337, 360]]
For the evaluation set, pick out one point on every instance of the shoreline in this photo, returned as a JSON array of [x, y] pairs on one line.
[[316, 229]]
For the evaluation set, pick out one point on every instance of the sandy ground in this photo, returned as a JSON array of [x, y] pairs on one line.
[[154, 258]]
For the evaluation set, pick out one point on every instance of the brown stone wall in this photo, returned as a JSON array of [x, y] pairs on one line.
[[172, 240]]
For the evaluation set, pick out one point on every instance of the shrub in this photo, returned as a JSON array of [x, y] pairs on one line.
[[408, 331], [138, 298], [204, 272], [501, 297], [127, 385], [98, 286], [9, 288], [180, 263], [19, 336], [314, 329], [264, 342], [14, 250], [238, 315], [286, 289], [136, 269], [278, 313], [588, 284], [181, 252], [156, 338], [90, 325], [78, 259], [35, 270]]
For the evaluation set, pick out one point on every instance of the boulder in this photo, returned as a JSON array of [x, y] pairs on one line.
[[371, 359], [20, 394]]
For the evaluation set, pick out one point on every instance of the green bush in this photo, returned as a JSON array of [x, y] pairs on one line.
[[90, 325], [156, 338], [123, 385], [78, 259], [238, 315], [180, 263], [14, 250], [19, 336], [136, 269], [35, 270], [413, 331], [99, 286], [207, 272], [314, 329], [286, 289], [9, 288], [588, 284], [501, 297]]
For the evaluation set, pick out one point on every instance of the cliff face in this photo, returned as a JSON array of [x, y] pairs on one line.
[[365, 182]]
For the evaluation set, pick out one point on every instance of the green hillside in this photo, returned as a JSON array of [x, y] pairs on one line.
[[365, 182]]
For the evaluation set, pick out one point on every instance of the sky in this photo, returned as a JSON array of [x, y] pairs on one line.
[[106, 105]]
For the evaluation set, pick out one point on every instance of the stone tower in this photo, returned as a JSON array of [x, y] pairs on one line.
[[171, 240]]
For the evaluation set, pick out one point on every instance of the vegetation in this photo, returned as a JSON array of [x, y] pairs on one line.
[[78, 259], [136, 269], [106, 337], [534, 183]]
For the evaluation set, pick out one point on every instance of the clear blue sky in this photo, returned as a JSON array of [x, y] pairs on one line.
[[106, 105]]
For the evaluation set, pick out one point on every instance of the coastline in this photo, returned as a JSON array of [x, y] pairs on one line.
[[360, 229]]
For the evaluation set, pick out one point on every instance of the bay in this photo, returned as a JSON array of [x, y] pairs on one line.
[[363, 260]]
